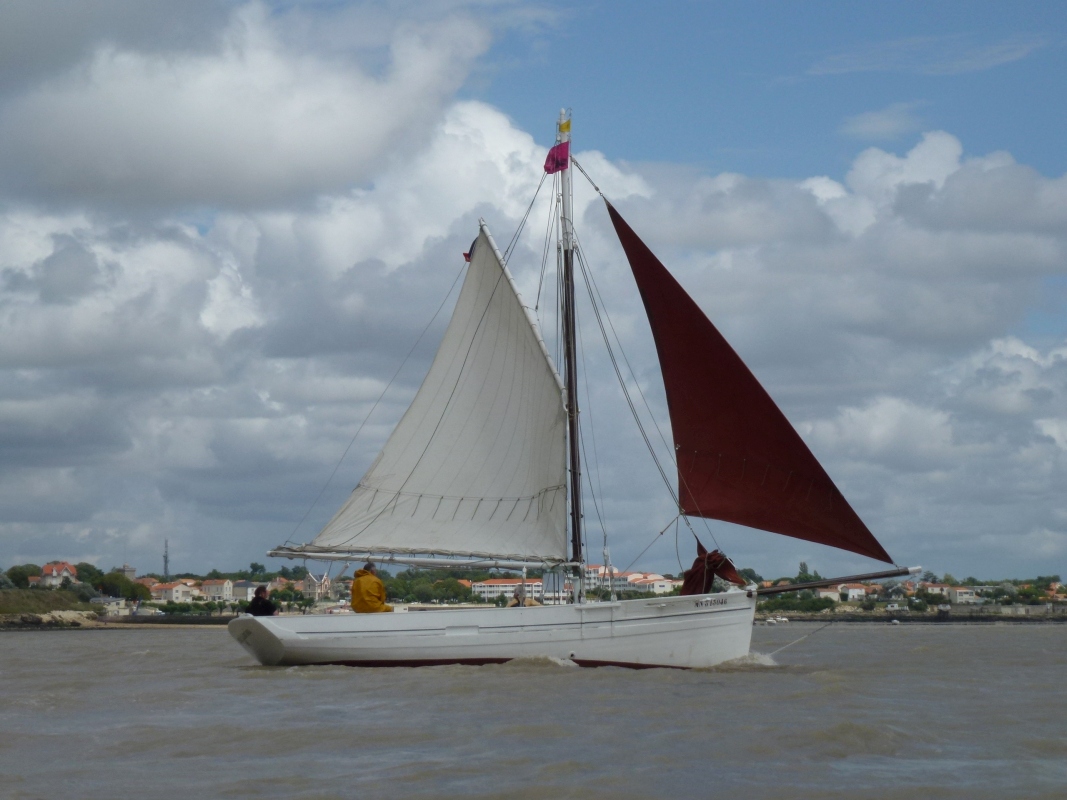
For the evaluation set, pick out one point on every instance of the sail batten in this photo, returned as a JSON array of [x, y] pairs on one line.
[[738, 457], [476, 466]]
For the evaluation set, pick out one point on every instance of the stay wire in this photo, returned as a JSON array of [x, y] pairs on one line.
[[640, 392], [549, 242], [622, 382], [441, 419], [654, 540], [448, 403], [677, 552], [586, 174], [802, 638], [626, 361], [629, 400], [522, 222], [373, 407], [592, 434]]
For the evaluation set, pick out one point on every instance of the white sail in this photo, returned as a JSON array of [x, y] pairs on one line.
[[476, 467]]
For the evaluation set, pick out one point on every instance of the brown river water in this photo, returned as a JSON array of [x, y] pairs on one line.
[[853, 711]]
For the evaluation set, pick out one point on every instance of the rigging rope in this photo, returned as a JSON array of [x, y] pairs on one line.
[[802, 638], [366, 419], [444, 412], [622, 382], [459, 377], [590, 280], [592, 433], [654, 538], [553, 222], [600, 299], [522, 222], [586, 174]]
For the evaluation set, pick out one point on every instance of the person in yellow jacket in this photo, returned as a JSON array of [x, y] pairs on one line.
[[368, 591]]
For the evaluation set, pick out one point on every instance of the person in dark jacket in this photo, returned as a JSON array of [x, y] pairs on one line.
[[260, 605]]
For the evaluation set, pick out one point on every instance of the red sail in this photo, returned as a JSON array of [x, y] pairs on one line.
[[739, 459]]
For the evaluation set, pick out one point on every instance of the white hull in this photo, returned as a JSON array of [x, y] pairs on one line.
[[684, 632]]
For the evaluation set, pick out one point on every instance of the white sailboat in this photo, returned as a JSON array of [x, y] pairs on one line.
[[483, 471]]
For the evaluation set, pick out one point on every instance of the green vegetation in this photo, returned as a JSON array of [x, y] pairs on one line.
[[428, 586], [115, 584], [87, 573], [792, 602], [290, 599], [750, 575], [803, 576], [33, 601], [20, 575]]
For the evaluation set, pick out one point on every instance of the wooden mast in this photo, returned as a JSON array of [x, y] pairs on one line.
[[570, 358]]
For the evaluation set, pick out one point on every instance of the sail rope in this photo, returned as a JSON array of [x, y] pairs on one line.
[[366, 419], [592, 435], [597, 307], [654, 540], [522, 222], [802, 638], [599, 300], [622, 382], [444, 412], [586, 174], [590, 280], [677, 551], [546, 248]]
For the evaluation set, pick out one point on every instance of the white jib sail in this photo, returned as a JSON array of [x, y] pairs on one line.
[[477, 465]]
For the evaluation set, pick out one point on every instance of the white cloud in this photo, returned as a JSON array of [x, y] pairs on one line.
[[890, 431], [929, 55], [1055, 429], [878, 175], [888, 123], [251, 123]]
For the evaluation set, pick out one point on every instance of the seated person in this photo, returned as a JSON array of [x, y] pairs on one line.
[[368, 592], [260, 606], [519, 599]]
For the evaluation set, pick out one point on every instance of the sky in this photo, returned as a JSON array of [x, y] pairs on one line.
[[225, 225]]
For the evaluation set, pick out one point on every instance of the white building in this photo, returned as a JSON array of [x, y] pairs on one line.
[[244, 590], [963, 595], [55, 574], [853, 591], [174, 592], [112, 606], [219, 590], [935, 588], [654, 585], [491, 589], [317, 588], [595, 576]]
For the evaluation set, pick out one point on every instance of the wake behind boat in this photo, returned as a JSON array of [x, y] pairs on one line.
[[484, 471]]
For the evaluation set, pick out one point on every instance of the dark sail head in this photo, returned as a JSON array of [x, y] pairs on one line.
[[698, 578], [739, 459]]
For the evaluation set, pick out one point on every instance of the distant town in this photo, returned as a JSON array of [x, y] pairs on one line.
[[120, 591]]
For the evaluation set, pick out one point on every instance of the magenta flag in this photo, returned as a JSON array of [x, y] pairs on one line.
[[559, 158]]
